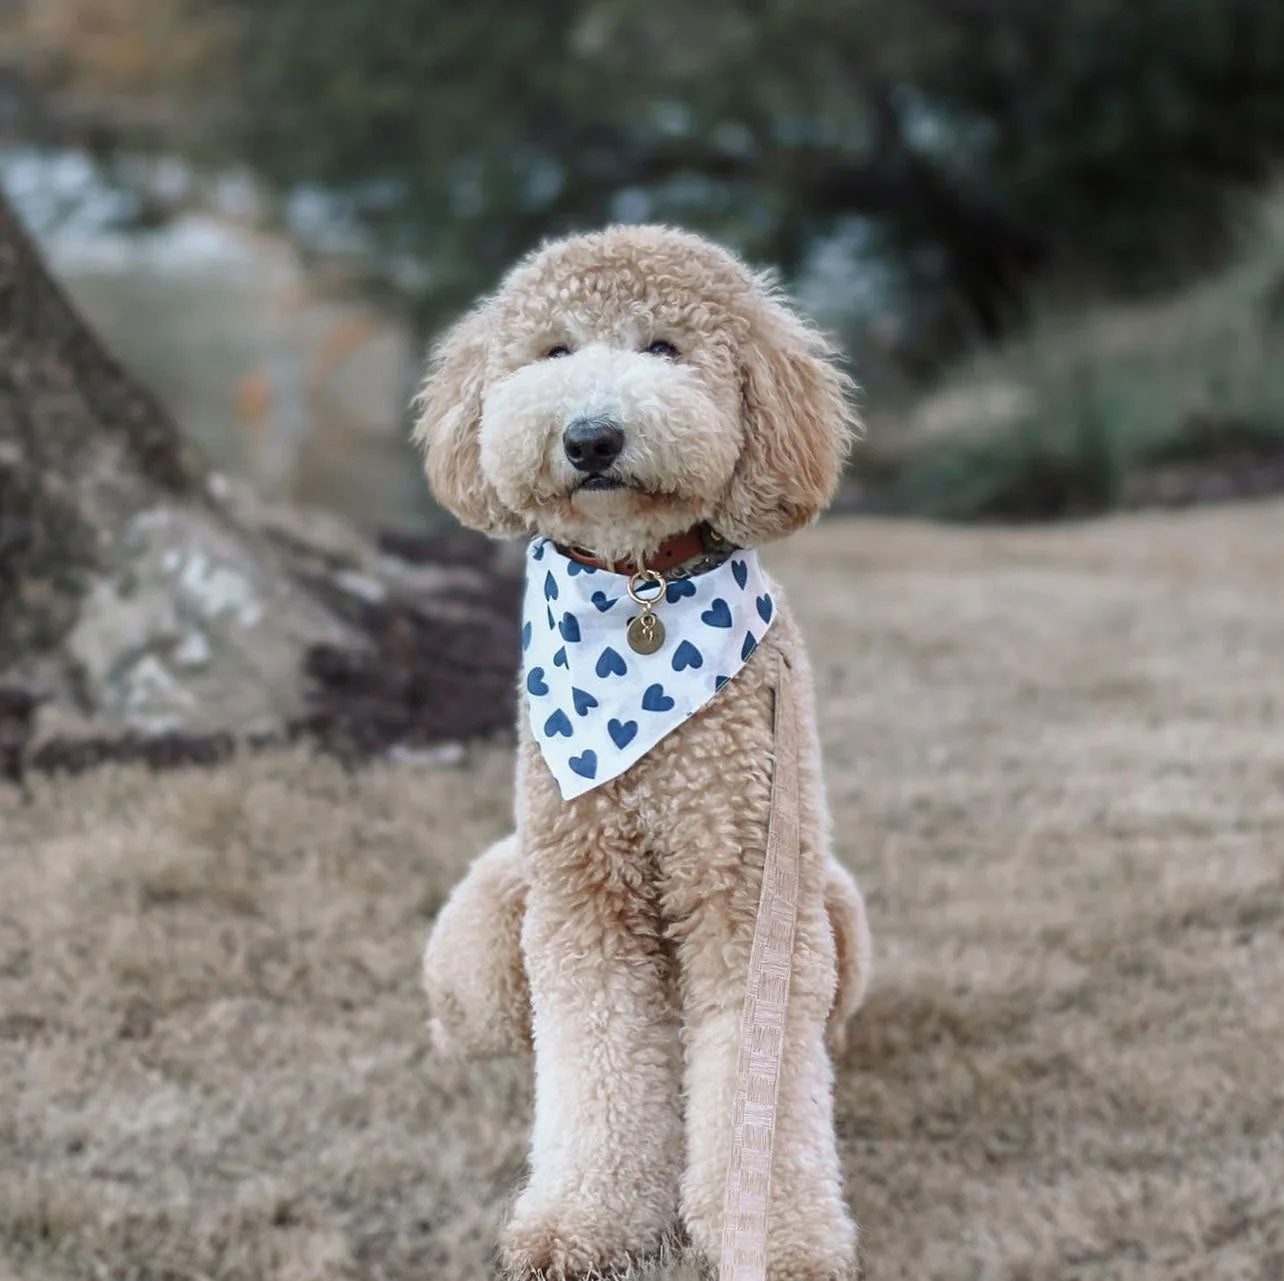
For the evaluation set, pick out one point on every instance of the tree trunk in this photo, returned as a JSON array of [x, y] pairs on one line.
[[80, 448], [150, 608]]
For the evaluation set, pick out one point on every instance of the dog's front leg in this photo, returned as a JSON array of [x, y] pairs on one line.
[[716, 826], [606, 1148], [810, 1235]]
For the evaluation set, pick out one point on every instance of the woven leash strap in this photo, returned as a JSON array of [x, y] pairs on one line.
[[762, 1024]]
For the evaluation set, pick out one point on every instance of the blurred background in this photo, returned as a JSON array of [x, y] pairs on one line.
[[1050, 236]]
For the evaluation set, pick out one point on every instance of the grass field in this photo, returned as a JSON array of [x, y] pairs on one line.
[[1056, 758]]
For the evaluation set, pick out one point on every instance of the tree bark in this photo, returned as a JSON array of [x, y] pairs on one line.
[[80, 447], [148, 607]]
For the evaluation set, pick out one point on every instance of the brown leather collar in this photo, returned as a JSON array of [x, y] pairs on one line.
[[670, 553]]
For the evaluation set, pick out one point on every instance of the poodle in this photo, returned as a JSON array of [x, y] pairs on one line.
[[648, 412]]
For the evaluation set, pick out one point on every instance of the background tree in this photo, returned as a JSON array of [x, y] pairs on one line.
[[982, 143]]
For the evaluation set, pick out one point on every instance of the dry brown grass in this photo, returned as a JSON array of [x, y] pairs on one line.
[[1057, 762]]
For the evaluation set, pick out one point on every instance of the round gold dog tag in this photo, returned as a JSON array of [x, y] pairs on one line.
[[646, 633]]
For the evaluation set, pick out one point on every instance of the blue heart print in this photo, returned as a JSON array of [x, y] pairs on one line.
[[585, 765], [655, 699], [609, 663], [559, 723], [589, 726], [686, 655], [718, 614], [622, 732]]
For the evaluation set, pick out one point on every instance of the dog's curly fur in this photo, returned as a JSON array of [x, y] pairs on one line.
[[614, 929]]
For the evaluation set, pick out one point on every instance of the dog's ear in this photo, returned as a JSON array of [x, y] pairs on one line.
[[799, 420], [449, 410]]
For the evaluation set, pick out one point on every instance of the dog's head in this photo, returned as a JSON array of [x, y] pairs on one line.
[[622, 386]]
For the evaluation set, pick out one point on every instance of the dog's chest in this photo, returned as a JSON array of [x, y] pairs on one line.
[[689, 818]]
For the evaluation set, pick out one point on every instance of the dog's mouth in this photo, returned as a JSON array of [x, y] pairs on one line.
[[612, 482], [601, 483]]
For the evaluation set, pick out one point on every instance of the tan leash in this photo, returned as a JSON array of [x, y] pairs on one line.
[[762, 1023]]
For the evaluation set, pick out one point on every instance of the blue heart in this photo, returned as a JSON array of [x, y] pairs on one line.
[[576, 568], [740, 572], [621, 732], [677, 589], [559, 659], [526, 635], [550, 586], [686, 655], [558, 723], [718, 614], [551, 622], [655, 699], [603, 601], [764, 608], [538, 553], [610, 664], [585, 765], [719, 682], [749, 646], [535, 681], [582, 700], [570, 628]]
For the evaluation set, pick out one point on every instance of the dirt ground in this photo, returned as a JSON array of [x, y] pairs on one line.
[[1056, 758]]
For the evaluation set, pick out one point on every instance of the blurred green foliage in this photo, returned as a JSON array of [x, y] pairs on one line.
[[983, 143], [1169, 400]]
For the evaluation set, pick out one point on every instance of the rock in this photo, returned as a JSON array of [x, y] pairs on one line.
[[255, 622], [197, 627]]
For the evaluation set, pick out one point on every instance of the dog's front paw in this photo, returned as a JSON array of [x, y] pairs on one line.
[[574, 1245], [789, 1270], [800, 1249]]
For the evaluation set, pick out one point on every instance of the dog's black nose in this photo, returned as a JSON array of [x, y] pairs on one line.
[[592, 444]]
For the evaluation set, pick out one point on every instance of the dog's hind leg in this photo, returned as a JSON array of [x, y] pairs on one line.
[[854, 953], [473, 973]]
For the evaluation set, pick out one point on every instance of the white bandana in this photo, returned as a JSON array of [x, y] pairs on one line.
[[596, 706]]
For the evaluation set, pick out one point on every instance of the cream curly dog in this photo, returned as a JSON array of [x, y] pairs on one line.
[[625, 391]]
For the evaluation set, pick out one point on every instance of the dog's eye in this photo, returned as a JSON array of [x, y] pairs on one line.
[[560, 350], [662, 348]]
